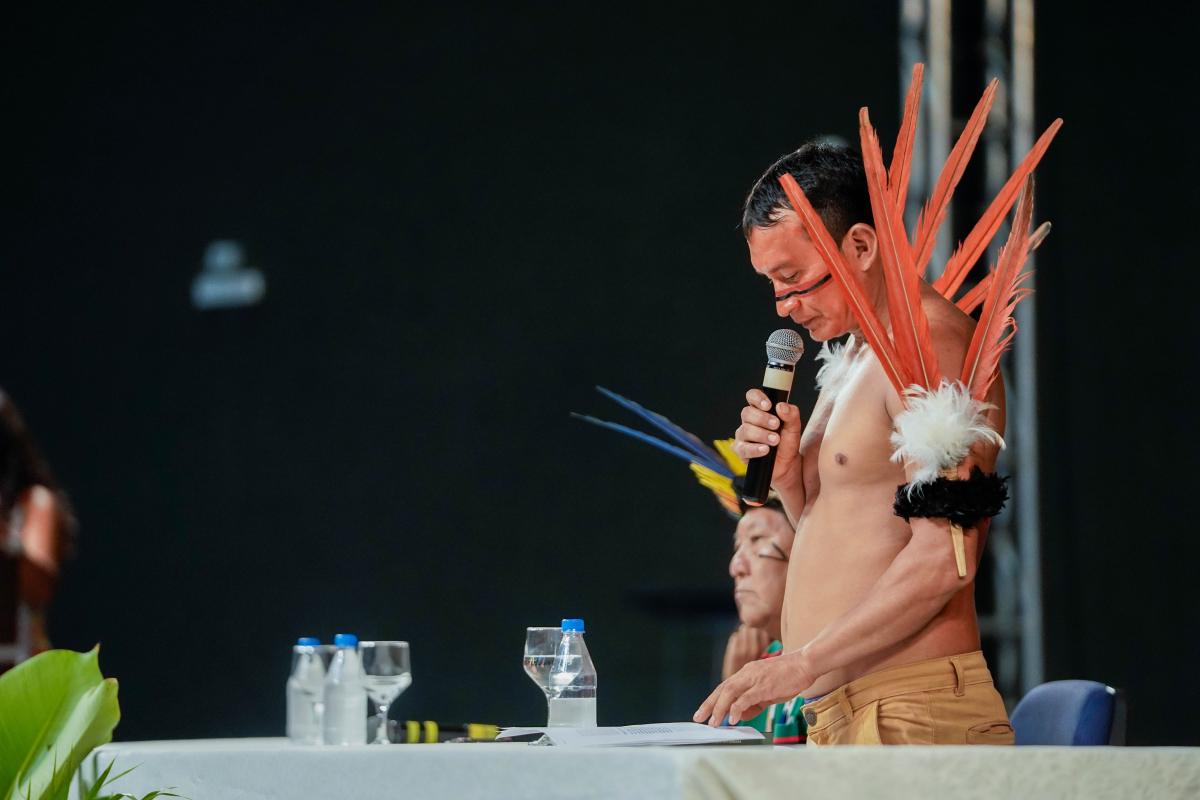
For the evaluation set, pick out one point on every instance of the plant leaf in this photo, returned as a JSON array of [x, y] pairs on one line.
[[92, 792], [57, 708]]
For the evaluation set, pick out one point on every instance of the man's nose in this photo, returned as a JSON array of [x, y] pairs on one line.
[[738, 566], [784, 308]]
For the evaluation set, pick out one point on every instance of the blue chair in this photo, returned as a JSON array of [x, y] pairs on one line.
[[1077, 713]]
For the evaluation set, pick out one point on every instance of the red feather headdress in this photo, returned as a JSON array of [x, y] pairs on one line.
[[906, 351], [943, 418]]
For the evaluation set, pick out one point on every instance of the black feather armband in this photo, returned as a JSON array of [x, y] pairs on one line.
[[963, 502]]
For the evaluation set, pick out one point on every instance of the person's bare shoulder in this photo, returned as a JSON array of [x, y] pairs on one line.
[[40, 497], [950, 329]]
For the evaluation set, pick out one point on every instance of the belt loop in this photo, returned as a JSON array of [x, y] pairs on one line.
[[960, 681], [844, 704]]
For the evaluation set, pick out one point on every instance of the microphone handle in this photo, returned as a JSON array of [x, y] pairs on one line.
[[777, 386]]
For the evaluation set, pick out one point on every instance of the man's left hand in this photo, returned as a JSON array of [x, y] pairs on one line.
[[754, 687]]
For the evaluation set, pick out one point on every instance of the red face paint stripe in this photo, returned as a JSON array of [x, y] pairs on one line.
[[784, 294]]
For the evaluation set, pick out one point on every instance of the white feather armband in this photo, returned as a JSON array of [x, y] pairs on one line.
[[937, 429]]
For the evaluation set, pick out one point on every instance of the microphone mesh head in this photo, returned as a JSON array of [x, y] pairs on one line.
[[785, 346]]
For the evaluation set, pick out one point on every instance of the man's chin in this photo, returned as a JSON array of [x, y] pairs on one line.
[[819, 333], [822, 331], [752, 617]]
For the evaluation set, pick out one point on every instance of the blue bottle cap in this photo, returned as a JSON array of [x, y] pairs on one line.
[[345, 640], [575, 625], [308, 641]]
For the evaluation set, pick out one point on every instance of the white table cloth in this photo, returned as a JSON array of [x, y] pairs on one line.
[[239, 769]]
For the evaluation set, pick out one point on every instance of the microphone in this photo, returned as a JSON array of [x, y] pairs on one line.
[[784, 348]]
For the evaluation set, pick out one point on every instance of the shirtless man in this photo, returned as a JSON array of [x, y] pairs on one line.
[[879, 630]]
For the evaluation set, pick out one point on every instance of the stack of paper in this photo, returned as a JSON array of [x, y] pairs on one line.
[[659, 733]]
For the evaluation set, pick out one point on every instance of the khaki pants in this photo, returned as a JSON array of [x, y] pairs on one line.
[[947, 700]]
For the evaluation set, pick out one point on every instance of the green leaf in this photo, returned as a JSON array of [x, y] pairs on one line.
[[93, 792], [57, 708]]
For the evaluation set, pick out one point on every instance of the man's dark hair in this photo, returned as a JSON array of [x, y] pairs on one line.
[[832, 178]]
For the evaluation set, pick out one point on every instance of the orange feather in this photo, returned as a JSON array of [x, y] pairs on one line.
[[976, 243], [901, 168], [939, 201], [971, 300], [910, 328], [843, 275], [974, 297], [996, 327]]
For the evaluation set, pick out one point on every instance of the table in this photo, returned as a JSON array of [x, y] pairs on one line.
[[240, 769]]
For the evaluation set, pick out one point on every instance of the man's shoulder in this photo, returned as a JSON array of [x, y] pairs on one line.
[[951, 331]]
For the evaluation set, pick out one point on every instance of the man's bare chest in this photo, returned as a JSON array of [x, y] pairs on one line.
[[854, 447]]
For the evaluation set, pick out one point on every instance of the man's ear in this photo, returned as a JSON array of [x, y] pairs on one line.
[[860, 246]]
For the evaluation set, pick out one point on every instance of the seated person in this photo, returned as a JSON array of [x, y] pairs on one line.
[[36, 528], [762, 543]]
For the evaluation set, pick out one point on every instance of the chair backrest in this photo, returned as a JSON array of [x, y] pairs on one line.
[[1069, 713]]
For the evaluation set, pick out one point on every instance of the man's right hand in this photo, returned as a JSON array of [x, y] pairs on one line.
[[761, 429]]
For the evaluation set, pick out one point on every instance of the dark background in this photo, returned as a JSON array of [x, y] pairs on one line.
[[467, 217]]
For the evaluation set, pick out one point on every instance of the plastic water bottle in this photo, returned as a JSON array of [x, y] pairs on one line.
[[572, 681], [345, 713], [305, 690]]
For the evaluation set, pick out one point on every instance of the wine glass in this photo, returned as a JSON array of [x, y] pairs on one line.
[[386, 673], [541, 645]]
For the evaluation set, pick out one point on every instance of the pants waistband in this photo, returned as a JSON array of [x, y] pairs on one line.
[[934, 674]]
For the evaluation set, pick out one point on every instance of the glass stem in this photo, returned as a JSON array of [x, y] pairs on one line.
[[381, 732]]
